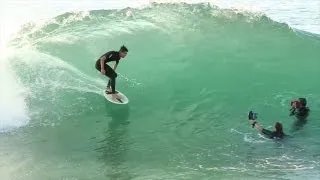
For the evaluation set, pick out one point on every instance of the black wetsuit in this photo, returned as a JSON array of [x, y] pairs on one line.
[[110, 56], [273, 134], [300, 113]]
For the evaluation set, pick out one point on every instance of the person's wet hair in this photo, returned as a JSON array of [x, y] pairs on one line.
[[279, 128], [123, 49], [303, 101]]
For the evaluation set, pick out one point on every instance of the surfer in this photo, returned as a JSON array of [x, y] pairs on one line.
[[105, 69], [277, 134]]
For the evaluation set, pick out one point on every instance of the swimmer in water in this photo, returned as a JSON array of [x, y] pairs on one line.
[[276, 134], [300, 110]]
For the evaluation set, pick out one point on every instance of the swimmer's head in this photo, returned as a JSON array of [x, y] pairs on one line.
[[123, 51], [278, 127], [303, 102]]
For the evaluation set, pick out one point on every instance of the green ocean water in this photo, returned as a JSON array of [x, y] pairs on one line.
[[192, 73]]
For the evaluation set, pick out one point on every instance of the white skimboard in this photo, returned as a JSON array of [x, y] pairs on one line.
[[119, 98]]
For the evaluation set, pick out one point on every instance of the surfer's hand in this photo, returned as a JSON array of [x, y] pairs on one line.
[[103, 71]]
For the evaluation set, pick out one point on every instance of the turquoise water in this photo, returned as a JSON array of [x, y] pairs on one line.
[[192, 74]]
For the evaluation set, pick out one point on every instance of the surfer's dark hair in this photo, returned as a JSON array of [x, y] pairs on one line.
[[123, 49], [303, 101]]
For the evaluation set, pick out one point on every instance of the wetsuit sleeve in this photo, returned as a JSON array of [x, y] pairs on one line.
[[267, 133]]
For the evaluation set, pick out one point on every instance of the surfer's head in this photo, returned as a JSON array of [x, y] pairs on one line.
[[123, 51]]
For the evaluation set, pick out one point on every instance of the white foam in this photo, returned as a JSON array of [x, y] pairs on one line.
[[13, 108]]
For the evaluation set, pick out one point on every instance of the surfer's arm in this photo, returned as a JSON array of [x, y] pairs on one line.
[[102, 59]]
